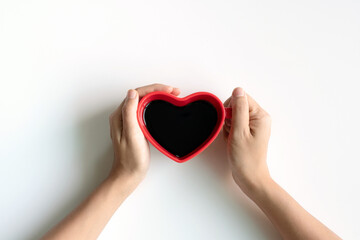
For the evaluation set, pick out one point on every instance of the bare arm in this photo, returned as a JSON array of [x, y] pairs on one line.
[[247, 135], [88, 220], [293, 221], [131, 161]]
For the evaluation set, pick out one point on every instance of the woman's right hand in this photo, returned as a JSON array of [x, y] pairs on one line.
[[247, 134]]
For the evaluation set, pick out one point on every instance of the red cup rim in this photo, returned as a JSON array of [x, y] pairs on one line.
[[177, 101]]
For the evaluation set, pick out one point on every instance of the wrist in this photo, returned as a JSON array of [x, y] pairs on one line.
[[128, 181], [254, 186], [262, 188]]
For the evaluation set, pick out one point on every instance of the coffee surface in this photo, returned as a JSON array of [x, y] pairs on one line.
[[180, 130]]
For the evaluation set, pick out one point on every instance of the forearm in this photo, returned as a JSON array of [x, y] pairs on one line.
[[291, 220], [88, 220]]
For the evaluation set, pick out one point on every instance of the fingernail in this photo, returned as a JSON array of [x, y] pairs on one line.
[[131, 93], [238, 92]]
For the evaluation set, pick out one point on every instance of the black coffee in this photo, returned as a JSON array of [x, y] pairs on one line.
[[180, 130]]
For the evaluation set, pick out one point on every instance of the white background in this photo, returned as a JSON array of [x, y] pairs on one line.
[[66, 65]]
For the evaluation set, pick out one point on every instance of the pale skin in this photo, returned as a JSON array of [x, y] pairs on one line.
[[247, 135]]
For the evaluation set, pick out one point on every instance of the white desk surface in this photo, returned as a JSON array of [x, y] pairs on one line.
[[65, 66]]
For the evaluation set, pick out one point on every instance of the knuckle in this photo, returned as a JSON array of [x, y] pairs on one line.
[[238, 136], [235, 141], [263, 114], [151, 86]]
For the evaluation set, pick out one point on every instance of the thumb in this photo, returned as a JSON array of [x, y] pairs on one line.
[[130, 123], [240, 112]]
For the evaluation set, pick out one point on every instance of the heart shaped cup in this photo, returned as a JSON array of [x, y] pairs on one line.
[[222, 113]]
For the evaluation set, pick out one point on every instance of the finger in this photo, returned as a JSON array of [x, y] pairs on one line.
[[226, 127], [175, 91], [115, 120], [256, 112], [130, 124], [240, 112], [225, 135], [227, 102], [259, 119], [253, 105], [227, 122], [142, 91]]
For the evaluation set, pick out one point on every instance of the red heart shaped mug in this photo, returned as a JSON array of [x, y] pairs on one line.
[[222, 113]]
